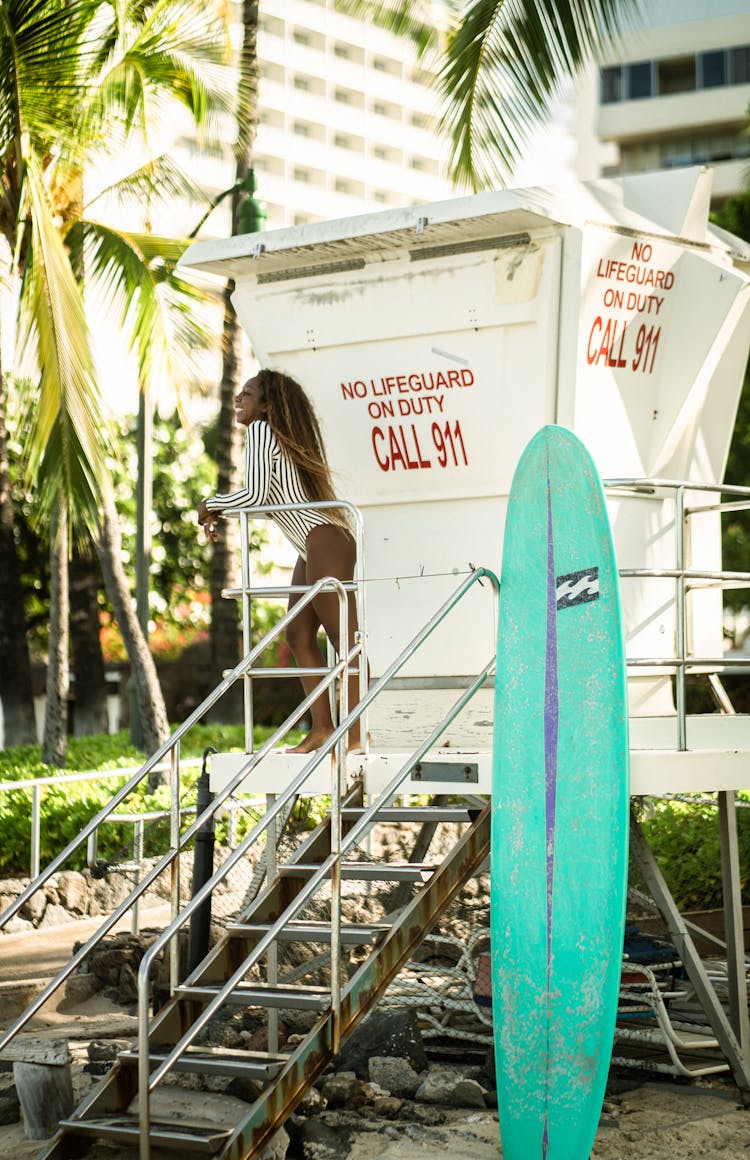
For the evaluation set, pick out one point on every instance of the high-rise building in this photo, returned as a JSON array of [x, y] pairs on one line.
[[674, 92], [347, 119]]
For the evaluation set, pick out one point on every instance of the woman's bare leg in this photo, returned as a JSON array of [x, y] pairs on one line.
[[302, 637], [331, 551]]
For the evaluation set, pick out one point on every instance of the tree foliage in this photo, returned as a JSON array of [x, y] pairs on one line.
[[497, 66]]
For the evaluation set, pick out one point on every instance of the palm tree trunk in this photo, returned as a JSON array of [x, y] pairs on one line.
[[19, 725], [90, 689], [55, 735], [154, 721], [225, 646]]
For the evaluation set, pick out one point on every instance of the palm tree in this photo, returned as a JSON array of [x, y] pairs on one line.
[[72, 73], [224, 613], [499, 65]]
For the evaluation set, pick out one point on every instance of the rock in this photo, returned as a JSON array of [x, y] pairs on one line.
[[10, 1106], [106, 1049], [79, 988], [467, 1093], [426, 1114], [127, 985], [340, 1089], [323, 1141], [72, 892], [34, 907], [17, 925], [244, 1089], [395, 1075], [383, 1033], [388, 1107], [276, 1148], [311, 1103], [56, 915]]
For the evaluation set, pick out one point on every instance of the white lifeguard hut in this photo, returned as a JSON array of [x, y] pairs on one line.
[[436, 340]]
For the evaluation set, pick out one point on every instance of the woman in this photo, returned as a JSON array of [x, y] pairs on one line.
[[285, 462]]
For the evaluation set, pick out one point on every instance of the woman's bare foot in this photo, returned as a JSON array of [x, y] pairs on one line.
[[314, 739], [318, 737]]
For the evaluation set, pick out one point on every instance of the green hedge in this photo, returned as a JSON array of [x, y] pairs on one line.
[[66, 808]]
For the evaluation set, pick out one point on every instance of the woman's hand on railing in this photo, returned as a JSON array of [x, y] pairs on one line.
[[209, 521]]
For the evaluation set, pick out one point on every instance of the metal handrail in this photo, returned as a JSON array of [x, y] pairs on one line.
[[35, 784], [181, 841], [147, 1080], [681, 574]]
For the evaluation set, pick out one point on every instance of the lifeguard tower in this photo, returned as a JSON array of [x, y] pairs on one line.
[[435, 341]]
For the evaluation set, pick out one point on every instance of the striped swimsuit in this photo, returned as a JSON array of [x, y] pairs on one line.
[[271, 477]]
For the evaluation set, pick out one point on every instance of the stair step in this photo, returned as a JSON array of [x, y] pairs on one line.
[[125, 1129], [314, 932], [413, 814], [261, 995], [259, 1065], [364, 871]]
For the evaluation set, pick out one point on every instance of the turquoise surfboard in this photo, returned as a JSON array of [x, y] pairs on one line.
[[560, 805]]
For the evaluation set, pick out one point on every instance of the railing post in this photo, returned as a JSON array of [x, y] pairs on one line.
[[247, 631], [174, 841], [203, 868], [337, 776], [35, 830], [138, 859], [272, 958], [680, 621]]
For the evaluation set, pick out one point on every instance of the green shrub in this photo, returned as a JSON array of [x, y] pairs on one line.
[[67, 807], [684, 837]]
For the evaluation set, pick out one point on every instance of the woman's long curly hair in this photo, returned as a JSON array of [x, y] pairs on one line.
[[291, 416]]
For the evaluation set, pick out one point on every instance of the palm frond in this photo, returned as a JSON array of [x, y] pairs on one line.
[[505, 61], [415, 21], [64, 445], [159, 180], [134, 274], [42, 63], [175, 49]]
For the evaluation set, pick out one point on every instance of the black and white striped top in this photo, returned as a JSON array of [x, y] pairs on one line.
[[271, 477]]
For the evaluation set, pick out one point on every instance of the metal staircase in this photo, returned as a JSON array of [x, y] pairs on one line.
[[223, 979], [301, 902]]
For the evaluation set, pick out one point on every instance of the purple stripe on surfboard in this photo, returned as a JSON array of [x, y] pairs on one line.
[[551, 724]]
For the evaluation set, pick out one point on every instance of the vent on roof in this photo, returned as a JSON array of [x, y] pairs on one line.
[[504, 242], [312, 271]]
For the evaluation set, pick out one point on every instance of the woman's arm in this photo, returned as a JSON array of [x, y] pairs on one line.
[[259, 448]]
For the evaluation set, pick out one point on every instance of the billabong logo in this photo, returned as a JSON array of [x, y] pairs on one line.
[[577, 588]]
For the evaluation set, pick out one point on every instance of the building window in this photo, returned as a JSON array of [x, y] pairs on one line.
[[299, 36], [639, 80], [341, 141], [610, 84], [302, 175], [301, 128], [342, 51], [341, 185], [676, 75], [343, 96], [712, 67], [302, 83], [739, 65]]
